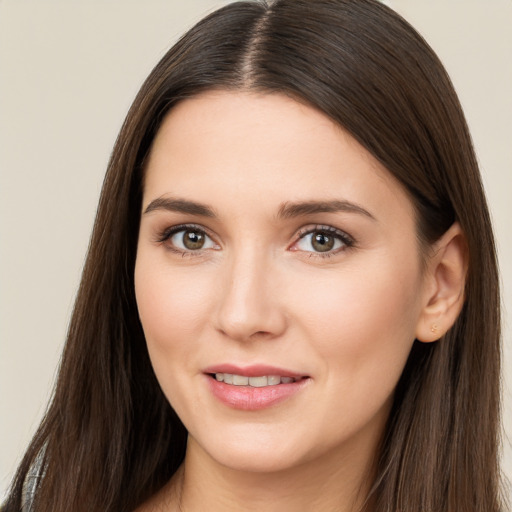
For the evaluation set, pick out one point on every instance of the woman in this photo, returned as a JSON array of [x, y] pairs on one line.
[[290, 299]]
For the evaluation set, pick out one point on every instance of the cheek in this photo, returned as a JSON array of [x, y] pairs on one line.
[[363, 323], [172, 308]]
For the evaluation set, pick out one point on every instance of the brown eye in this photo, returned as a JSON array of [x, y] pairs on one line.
[[189, 239], [322, 242], [193, 240]]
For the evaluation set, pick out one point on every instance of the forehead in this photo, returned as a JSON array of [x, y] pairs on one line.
[[220, 147]]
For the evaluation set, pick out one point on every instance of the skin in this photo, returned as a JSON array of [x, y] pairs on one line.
[[259, 292]]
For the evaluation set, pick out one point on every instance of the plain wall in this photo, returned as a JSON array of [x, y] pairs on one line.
[[68, 73]]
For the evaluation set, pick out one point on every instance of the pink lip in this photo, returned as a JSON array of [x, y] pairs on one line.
[[249, 398], [255, 370]]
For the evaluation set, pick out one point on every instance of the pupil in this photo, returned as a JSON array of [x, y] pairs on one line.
[[193, 240], [322, 242]]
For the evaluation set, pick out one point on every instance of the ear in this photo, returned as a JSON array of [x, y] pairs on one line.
[[444, 283]]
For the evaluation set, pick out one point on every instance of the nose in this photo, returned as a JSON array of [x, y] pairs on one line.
[[250, 303]]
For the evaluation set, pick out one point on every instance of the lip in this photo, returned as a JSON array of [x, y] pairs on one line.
[[254, 370], [249, 398]]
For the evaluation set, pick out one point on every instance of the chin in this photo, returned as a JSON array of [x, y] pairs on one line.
[[257, 461], [260, 454]]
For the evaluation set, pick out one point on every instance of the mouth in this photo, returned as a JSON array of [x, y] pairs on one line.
[[255, 387], [260, 381]]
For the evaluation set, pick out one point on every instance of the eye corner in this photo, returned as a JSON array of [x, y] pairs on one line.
[[332, 241], [173, 238]]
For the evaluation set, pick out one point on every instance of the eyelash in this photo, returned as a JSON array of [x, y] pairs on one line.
[[343, 237], [165, 235], [347, 241]]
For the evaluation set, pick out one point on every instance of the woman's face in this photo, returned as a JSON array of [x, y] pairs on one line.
[[278, 281]]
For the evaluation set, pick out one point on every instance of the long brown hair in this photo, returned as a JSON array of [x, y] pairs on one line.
[[110, 439]]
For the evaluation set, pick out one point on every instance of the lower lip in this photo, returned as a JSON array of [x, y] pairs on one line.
[[247, 398]]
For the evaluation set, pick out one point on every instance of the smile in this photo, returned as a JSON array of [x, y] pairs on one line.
[[252, 388], [255, 382]]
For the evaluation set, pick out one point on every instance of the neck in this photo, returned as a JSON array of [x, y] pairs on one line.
[[337, 482]]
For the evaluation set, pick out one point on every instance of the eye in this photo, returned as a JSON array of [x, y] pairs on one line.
[[187, 239], [323, 239]]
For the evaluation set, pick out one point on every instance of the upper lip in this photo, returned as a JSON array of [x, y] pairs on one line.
[[255, 370]]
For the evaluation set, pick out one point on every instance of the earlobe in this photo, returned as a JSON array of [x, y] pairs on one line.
[[445, 279]]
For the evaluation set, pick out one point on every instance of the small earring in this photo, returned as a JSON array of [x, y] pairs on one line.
[[434, 328]]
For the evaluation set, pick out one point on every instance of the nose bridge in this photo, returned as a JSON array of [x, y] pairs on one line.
[[248, 302]]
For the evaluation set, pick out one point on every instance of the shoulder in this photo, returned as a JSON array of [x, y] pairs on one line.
[[34, 475]]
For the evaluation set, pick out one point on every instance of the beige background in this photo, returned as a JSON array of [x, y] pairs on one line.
[[68, 73]]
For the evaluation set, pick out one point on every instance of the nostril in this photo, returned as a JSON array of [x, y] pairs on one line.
[[261, 334]]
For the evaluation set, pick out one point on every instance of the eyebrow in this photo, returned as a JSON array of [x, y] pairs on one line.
[[290, 210], [180, 206], [287, 210]]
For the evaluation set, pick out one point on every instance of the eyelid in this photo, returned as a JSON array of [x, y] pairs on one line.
[[347, 240], [166, 234]]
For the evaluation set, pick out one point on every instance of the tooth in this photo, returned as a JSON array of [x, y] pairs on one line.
[[258, 382], [240, 380]]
